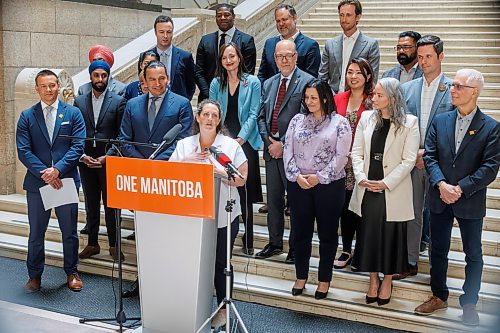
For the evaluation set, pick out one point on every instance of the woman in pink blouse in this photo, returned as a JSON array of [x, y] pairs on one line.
[[317, 145]]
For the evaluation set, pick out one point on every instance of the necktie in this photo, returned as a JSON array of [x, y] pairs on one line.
[[222, 40], [152, 112], [49, 121], [277, 106], [167, 63], [163, 58]]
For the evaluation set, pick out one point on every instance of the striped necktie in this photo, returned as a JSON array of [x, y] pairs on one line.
[[277, 106], [50, 121]]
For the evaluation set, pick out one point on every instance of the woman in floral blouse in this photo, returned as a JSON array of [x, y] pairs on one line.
[[316, 150], [350, 104]]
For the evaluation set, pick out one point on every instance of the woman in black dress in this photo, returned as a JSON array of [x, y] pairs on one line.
[[239, 96], [383, 155]]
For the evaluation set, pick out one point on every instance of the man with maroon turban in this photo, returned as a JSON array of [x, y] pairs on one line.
[[101, 52]]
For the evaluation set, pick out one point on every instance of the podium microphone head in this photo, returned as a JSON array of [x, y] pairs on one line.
[[220, 157], [170, 136]]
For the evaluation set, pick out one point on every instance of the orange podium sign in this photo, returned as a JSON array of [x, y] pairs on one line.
[[176, 188]]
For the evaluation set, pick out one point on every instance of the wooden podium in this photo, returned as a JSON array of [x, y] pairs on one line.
[[176, 233]]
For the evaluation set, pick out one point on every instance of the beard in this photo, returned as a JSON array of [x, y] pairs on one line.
[[99, 88], [404, 60]]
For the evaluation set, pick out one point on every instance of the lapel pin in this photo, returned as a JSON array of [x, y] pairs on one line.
[[245, 84], [472, 132], [296, 81], [61, 115], [442, 87]]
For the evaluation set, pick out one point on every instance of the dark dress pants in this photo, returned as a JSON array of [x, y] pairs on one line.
[[349, 222], [322, 203], [276, 186], [38, 219], [470, 230], [220, 259], [94, 187]]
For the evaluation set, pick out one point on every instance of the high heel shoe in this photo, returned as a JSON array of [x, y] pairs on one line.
[[370, 299], [384, 301], [321, 294], [298, 291]]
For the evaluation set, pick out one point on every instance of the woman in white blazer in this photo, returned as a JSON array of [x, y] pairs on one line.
[[383, 154]]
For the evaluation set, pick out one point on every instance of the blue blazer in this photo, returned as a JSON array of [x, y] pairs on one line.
[[181, 79], [442, 100], [395, 72], [37, 152], [474, 166], [174, 109], [309, 57], [133, 90], [248, 107]]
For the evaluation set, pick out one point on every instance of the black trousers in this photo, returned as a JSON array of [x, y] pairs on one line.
[[322, 203], [220, 259], [94, 187], [349, 222]]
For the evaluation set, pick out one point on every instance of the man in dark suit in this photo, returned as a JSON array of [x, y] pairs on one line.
[[102, 111], [208, 48], [406, 54], [351, 44], [281, 100], [308, 54], [147, 118], [179, 63], [101, 52], [462, 155], [425, 98], [50, 158]]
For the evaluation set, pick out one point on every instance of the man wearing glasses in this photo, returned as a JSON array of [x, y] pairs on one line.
[[425, 98], [462, 154], [406, 54], [351, 44], [281, 100]]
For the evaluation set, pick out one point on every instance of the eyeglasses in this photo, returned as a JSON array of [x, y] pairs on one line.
[[459, 86], [288, 56], [403, 47]]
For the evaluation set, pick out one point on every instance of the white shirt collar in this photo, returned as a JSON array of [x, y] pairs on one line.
[[293, 37], [289, 77], [55, 105], [168, 51], [229, 33], [354, 36], [433, 82], [411, 69]]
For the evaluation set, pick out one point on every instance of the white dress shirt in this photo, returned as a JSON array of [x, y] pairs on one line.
[[96, 106], [347, 46], [426, 101], [406, 76]]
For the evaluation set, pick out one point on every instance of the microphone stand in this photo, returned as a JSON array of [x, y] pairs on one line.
[[120, 318], [228, 301]]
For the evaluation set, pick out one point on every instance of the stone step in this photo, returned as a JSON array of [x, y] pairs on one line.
[[275, 291], [409, 21], [493, 15], [391, 41], [495, 114], [380, 8], [415, 288], [414, 3]]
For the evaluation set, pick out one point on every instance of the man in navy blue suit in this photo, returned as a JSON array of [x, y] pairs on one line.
[[50, 158], [147, 118], [308, 55], [462, 155], [179, 63], [208, 48]]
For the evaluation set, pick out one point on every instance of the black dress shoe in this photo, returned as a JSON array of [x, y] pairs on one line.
[[269, 251], [320, 294], [290, 258], [298, 291], [247, 250], [384, 301], [131, 236], [84, 231], [133, 291]]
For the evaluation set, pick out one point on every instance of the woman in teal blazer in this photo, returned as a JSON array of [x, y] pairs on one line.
[[239, 95]]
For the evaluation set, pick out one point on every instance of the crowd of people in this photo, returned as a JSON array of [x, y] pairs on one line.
[[387, 159]]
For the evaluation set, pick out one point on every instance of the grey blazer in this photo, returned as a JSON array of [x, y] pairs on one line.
[[291, 105], [331, 60]]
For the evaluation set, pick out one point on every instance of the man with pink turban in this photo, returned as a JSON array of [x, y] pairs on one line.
[[101, 52]]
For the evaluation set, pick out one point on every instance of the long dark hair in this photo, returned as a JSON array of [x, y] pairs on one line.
[[325, 97], [367, 72], [221, 72], [143, 55]]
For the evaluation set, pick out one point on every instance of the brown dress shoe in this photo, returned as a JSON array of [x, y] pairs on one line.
[[89, 251], [33, 285], [112, 253], [263, 209], [74, 282], [412, 272], [470, 316], [430, 306]]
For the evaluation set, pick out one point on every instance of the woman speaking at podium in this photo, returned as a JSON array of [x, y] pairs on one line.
[[196, 148]]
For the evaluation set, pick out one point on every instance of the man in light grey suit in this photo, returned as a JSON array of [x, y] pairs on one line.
[[351, 44], [425, 98], [281, 100]]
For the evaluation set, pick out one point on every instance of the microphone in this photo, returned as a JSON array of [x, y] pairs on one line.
[[168, 138], [225, 161]]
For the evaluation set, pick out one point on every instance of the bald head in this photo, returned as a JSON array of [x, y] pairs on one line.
[[285, 56]]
